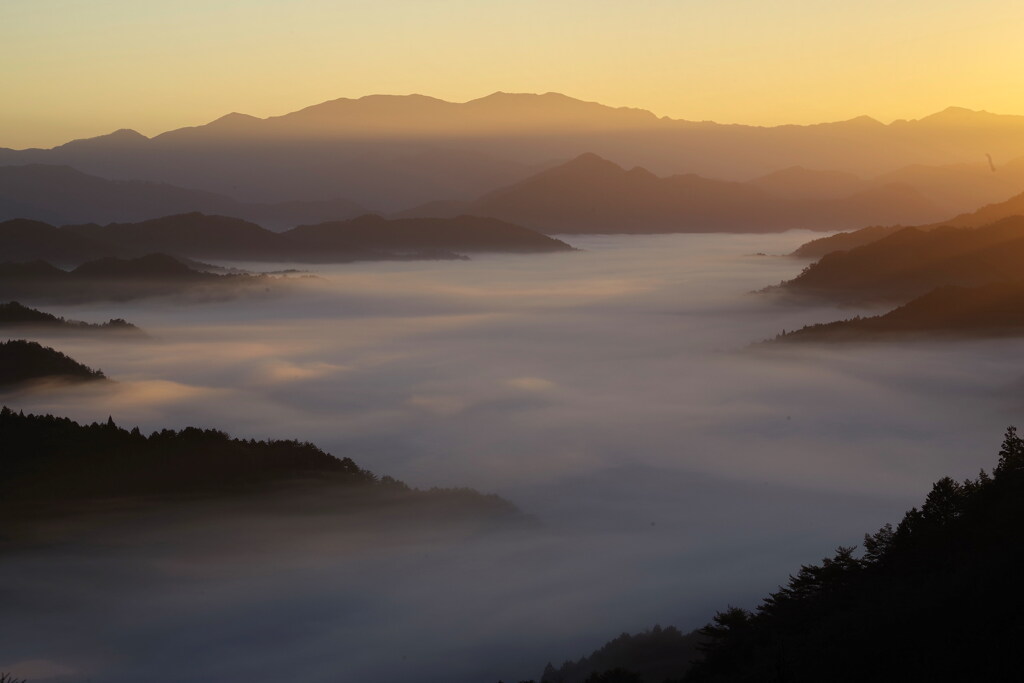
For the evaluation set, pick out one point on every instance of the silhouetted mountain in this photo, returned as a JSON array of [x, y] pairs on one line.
[[191, 235], [25, 361], [116, 279], [149, 267], [26, 240], [51, 466], [13, 314], [392, 152], [990, 213], [461, 233], [958, 187], [592, 195], [653, 656], [797, 182], [987, 310], [198, 236], [912, 262], [934, 598], [61, 194], [949, 188], [845, 241]]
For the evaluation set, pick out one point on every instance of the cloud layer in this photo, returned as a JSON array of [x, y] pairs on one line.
[[611, 392]]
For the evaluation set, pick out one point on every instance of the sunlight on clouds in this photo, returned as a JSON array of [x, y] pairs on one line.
[[282, 371], [532, 384]]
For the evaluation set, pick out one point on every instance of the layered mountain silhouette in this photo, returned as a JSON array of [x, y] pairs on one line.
[[24, 361], [116, 279], [912, 262], [15, 315], [393, 152], [199, 236], [53, 467], [593, 195], [990, 213], [61, 195], [984, 311]]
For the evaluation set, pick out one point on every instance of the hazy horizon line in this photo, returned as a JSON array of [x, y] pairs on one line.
[[657, 117]]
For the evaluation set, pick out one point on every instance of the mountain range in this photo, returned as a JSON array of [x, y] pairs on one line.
[[590, 194], [995, 309], [198, 236], [62, 195], [912, 262], [116, 279], [990, 213], [392, 152]]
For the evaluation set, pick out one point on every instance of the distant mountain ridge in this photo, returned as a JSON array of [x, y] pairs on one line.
[[590, 194], [986, 215], [62, 195], [199, 236], [393, 152], [116, 279]]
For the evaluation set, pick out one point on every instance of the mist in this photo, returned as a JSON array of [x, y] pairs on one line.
[[613, 393]]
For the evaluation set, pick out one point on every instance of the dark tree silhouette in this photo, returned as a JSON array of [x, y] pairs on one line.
[[22, 361], [935, 598]]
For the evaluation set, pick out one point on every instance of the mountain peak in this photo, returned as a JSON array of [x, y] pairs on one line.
[[590, 160], [234, 118], [121, 136], [126, 134], [960, 116]]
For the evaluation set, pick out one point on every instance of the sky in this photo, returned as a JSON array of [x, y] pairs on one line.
[[79, 68]]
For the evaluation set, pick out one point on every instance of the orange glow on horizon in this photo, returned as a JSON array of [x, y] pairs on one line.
[[81, 69]]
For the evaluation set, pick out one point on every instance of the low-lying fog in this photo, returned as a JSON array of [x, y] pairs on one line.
[[609, 392]]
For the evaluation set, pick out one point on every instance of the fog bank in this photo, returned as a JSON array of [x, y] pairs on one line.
[[611, 392]]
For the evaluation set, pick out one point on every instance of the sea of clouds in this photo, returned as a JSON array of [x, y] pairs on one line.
[[613, 393]]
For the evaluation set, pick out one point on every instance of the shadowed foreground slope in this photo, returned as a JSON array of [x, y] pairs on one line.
[[936, 597]]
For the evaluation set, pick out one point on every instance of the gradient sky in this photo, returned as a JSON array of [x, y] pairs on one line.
[[77, 68]]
